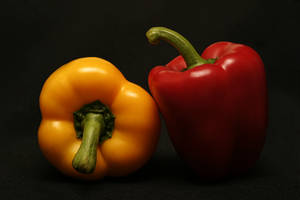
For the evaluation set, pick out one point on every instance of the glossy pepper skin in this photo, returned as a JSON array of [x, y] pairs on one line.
[[136, 120], [215, 111]]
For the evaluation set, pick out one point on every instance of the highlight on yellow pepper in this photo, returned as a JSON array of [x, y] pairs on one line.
[[95, 123]]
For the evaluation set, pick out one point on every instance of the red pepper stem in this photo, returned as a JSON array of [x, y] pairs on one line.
[[183, 46]]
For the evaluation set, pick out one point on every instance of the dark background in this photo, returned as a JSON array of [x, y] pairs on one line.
[[39, 36]]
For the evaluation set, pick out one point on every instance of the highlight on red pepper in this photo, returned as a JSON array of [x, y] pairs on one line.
[[214, 105], [95, 123]]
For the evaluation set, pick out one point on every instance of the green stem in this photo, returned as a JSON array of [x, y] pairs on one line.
[[183, 46], [86, 157]]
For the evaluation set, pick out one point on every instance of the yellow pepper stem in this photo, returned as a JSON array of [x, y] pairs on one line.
[[85, 159]]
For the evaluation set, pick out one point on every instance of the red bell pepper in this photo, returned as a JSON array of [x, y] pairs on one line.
[[214, 105]]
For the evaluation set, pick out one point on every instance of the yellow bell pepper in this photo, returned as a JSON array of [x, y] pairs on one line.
[[95, 123]]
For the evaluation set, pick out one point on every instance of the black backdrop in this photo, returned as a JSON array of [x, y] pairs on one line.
[[39, 36]]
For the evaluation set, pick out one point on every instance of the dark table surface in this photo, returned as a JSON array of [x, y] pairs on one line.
[[27, 175], [40, 36]]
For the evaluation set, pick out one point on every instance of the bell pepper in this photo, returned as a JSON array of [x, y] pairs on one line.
[[95, 123], [214, 105]]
